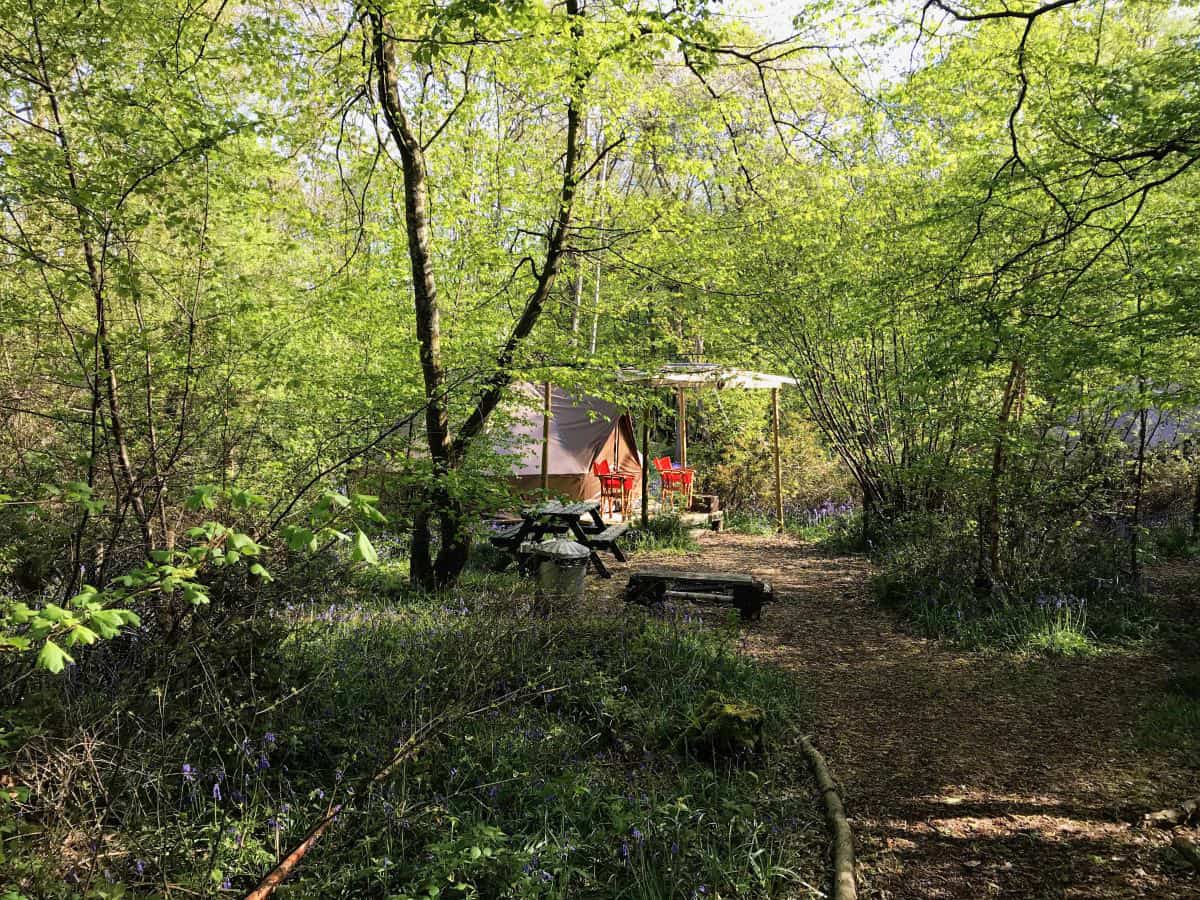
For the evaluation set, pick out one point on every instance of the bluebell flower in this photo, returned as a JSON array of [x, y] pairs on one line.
[[188, 773], [216, 791]]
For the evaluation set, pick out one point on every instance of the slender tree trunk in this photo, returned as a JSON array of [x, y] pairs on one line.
[[1139, 473], [447, 455], [1196, 503], [988, 573], [96, 283], [425, 297], [1139, 478]]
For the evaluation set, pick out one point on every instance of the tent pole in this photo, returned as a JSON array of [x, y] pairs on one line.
[[778, 469], [646, 468], [546, 439]]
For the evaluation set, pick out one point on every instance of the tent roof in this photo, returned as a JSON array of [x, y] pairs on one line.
[[703, 375], [580, 428]]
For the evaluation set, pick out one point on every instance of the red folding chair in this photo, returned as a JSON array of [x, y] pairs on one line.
[[614, 487], [676, 483]]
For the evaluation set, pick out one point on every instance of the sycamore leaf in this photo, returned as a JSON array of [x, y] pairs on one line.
[[53, 658]]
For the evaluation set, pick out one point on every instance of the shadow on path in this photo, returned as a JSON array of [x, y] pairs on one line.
[[967, 775]]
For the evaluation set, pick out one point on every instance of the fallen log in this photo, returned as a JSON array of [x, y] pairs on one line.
[[839, 826], [1186, 813]]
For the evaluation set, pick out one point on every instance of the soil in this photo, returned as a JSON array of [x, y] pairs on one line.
[[968, 774]]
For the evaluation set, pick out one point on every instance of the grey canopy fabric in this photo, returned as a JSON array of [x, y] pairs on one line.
[[583, 431]]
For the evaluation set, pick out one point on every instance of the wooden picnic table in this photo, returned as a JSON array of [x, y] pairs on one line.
[[581, 520]]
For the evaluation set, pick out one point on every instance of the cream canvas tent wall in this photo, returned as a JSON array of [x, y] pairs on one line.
[[583, 430]]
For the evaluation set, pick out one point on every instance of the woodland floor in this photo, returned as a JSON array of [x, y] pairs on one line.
[[968, 774]]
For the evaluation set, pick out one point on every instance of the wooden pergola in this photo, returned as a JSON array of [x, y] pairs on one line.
[[680, 377]]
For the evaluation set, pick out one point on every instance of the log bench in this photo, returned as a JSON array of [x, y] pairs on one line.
[[745, 592]]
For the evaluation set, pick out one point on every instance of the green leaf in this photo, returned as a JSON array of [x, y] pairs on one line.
[[257, 569], [194, 594], [81, 634], [53, 658], [203, 496], [364, 550]]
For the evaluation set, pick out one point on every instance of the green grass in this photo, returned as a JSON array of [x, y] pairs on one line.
[[662, 534], [840, 534], [553, 762], [1056, 625], [1172, 723]]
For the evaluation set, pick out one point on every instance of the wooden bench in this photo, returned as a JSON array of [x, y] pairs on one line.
[[607, 540], [745, 592], [505, 538]]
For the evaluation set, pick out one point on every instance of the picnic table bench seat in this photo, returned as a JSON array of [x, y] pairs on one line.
[[607, 539], [505, 537]]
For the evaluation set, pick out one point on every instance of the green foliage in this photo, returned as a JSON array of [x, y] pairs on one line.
[[1173, 722], [725, 728], [556, 767], [663, 533], [93, 615], [1175, 541]]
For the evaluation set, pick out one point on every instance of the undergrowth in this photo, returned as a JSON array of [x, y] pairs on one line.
[[1172, 723], [664, 533], [1175, 541], [1072, 600], [538, 758], [832, 528]]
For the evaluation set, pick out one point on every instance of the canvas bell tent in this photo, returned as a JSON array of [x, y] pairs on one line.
[[580, 431]]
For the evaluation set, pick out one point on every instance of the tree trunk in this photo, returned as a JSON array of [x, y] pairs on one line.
[[988, 573], [425, 297], [446, 454], [1196, 500], [97, 285]]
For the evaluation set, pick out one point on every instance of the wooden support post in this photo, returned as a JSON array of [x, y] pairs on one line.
[[778, 468], [646, 468], [681, 428], [546, 438]]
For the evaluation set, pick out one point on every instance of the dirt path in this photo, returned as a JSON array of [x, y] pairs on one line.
[[967, 775]]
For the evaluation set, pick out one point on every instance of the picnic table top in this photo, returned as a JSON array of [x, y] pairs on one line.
[[554, 508]]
